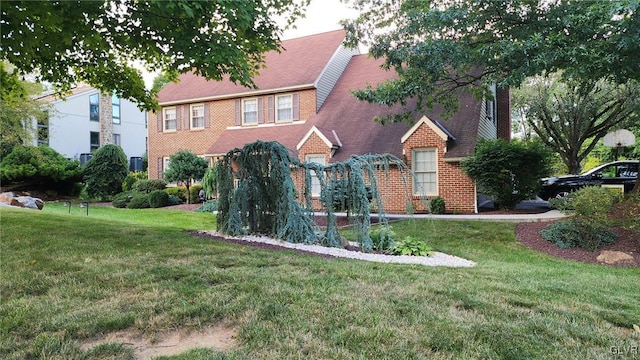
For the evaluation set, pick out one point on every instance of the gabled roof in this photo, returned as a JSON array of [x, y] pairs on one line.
[[352, 120], [287, 135], [298, 65]]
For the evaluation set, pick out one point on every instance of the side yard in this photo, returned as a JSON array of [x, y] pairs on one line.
[[73, 284]]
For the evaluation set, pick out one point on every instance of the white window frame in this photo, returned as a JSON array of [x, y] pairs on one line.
[[200, 116], [315, 181], [94, 102], [115, 107], [165, 119], [419, 188], [278, 108], [244, 112]]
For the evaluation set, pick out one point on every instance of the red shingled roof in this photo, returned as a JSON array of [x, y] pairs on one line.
[[300, 63], [352, 120]]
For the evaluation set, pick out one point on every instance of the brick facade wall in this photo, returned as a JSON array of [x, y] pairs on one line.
[[221, 114], [454, 186]]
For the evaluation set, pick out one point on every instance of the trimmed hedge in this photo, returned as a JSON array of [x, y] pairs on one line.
[[149, 185], [139, 201], [158, 199]]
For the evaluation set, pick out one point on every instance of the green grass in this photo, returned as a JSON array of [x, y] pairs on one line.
[[66, 278]]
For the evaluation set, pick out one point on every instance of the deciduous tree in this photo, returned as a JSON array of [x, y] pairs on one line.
[[439, 46], [185, 166], [19, 113], [570, 118], [65, 42]]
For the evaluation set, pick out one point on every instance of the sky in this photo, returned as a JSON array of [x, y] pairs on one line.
[[321, 16]]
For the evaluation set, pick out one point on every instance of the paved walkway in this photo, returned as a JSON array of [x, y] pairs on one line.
[[548, 215]]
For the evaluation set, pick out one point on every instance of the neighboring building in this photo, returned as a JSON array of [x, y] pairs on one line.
[[86, 119], [303, 100]]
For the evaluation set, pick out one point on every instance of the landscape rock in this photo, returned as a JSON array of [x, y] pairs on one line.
[[10, 199], [31, 202], [614, 257]]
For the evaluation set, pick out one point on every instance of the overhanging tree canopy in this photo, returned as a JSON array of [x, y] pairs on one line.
[[439, 46], [571, 118], [65, 42]]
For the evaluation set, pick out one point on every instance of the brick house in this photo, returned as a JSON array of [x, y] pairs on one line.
[[303, 100]]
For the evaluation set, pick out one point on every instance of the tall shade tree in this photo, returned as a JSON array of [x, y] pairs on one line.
[[185, 166], [66, 42], [571, 118], [19, 113], [439, 46]]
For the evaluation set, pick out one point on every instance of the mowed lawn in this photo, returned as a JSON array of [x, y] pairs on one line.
[[70, 278]]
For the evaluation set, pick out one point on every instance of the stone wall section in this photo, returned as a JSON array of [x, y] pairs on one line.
[[106, 119]]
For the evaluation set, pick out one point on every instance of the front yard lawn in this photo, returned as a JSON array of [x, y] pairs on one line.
[[68, 279]]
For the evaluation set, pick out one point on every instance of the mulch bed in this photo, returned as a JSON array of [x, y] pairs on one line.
[[627, 242]]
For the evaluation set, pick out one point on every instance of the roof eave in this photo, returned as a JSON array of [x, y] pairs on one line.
[[238, 95]]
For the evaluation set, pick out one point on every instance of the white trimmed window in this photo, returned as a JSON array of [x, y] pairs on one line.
[[284, 108], [94, 107], [115, 109], [315, 182], [169, 116], [197, 116], [425, 167], [250, 112]]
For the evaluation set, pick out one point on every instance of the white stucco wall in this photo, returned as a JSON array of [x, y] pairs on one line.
[[70, 127]]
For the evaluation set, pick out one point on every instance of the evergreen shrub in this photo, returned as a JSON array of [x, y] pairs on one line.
[[208, 206], [139, 201], [174, 200], [194, 196], [132, 178], [158, 199], [122, 199], [149, 185], [437, 205], [589, 228], [177, 191]]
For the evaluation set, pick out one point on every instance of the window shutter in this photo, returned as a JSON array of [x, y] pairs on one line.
[[206, 115], [159, 114], [187, 117], [295, 100], [178, 118], [160, 174], [271, 109], [238, 112], [260, 111]]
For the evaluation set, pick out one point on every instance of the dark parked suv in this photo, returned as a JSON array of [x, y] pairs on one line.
[[618, 174]]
